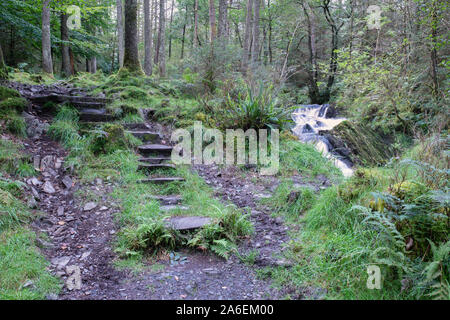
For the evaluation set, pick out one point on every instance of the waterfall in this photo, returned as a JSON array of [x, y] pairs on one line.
[[310, 120]]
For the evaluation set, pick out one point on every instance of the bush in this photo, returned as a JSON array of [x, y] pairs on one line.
[[15, 103], [6, 93]]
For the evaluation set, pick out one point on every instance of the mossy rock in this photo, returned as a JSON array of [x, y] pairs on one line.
[[6, 93], [112, 137], [360, 143], [361, 180]]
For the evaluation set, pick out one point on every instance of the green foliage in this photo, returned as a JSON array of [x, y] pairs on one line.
[[254, 111], [6, 93], [21, 262]]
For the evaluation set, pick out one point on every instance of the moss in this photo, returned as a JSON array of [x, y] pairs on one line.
[[112, 137], [365, 146], [18, 104], [6, 93], [16, 125]]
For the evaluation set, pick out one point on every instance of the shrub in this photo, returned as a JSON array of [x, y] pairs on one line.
[[6, 93], [15, 103]]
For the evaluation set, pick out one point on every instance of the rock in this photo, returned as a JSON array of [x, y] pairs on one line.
[[103, 208], [98, 181], [35, 193], [51, 296], [58, 163], [89, 206], [31, 203], [60, 211], [85, 255], [67, 182], [27, 284], [61, 262], [283, 263], [34, 181], [186, 223], [46, 162], [48, 188], [36, 162]]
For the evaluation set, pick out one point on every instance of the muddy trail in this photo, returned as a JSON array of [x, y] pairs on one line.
[[80, 238]]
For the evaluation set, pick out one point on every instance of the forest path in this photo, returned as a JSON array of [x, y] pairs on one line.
[[81, 236]]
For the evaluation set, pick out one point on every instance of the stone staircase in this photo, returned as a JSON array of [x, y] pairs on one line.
[[155, 156]]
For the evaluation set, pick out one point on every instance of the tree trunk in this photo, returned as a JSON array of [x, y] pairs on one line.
[[66, 69], [47, 63], [158, 38], [93, 65], [433, 53], [195, 42], [120, 32], [314, 94], [72, 61], [184, 33], [255, 42], [212, 21], [162, 38], [222, 30], [148, 67], [131, 57], [247, 35], [3, 69], [170, 28], [270, 34]]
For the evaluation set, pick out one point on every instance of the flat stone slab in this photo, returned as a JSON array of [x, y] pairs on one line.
[[149, 167], [155, 160], [167, 200], [146, 135], [187, 223], [162, 180], [95, 115], [155, 148], [136, 126], [171, 207]]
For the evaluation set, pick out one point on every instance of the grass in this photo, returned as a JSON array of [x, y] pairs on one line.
[[23, 274], [23, 269]]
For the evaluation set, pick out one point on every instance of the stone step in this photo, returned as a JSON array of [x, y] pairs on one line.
[[159, 149], [162, 180], [147, 136], [136, 126], [88, 105], [150, 167], [187, 223], [155, 160], [95, 115], [58, 98], [171, 207], [167, 200]]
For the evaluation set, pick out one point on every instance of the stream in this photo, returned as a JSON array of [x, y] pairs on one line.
[[309, 121]]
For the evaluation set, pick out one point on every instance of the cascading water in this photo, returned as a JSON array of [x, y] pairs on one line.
[[309, 120]]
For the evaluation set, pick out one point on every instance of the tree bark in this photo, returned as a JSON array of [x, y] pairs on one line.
[[247, 35], [170, 28], [47, 63], [222, 30], [131, 57], [120, 32], [255, 42], [162, 38], [212, 21], [3, 69], [66, 69], [93, 65], [314, 94], [148, 41], [195, 42]]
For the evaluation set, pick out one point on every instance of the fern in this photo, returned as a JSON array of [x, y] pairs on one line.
[[436, 273]]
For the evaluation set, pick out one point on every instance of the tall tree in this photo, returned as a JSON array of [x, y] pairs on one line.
[[170, 28], [212, 21], [162, 38], [195, 41], [120, 32], [222, 30], [65, 54], [3, 69], [148, 67], [247, 35], [131, 57], [255, 33], [47, 63]]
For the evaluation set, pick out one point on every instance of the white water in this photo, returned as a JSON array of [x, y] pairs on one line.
[[309, 121]]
